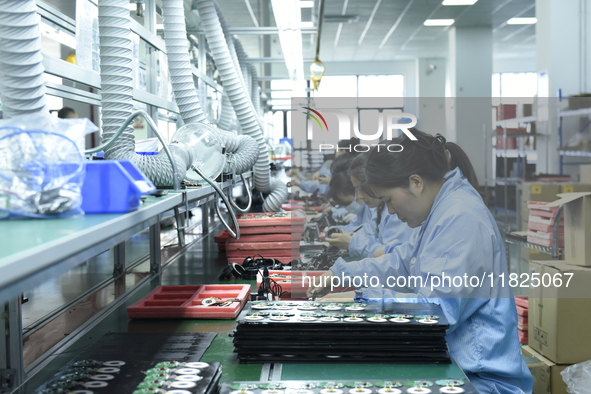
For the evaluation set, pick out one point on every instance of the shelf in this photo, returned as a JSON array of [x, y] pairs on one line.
[[525, 119], [515, 153], [575, 112], [574, 153], [521, 240], [40, 248]]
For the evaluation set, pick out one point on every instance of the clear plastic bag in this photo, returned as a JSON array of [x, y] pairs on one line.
[[41, 165], [578, 378]]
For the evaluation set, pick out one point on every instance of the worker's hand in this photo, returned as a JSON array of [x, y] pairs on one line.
[[315, 176], [295, 182], [320, 285], [378, 252], [324, 179], [341, 240]]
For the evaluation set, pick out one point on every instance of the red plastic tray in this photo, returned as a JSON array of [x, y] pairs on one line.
[[287, 237], [294, 218], [268, 252], [171, 302], [521, 326], [522, 301], [293, 282], [297, 229], [222, 236], [262, 245], [522, 311], [522, 336], [522, 320]]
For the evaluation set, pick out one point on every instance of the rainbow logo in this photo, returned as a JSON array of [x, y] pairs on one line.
[[316, 119]]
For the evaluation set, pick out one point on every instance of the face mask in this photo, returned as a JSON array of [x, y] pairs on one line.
[[354, 207]]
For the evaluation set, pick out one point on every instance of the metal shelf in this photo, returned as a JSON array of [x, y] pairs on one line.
[[514, 153], [575, 112], [525, 119], [516, 239], [574, 153]]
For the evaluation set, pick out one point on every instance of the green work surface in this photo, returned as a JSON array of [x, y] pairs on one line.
[[370, 371]]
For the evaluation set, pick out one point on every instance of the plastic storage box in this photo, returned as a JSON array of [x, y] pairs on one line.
[[113, 186]]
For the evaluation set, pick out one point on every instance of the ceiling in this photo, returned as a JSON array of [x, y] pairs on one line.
[[389, 30]]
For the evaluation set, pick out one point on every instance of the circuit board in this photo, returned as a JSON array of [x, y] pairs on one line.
[[126, 363], [397, 386]]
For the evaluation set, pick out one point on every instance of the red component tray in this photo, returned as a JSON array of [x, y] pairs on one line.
[[522, 311], [522, 336], [521, 327], [544, 227], [262, 245], [294, 218], [172, 302], [291, 281], [286, 237], [269, 252], [271, 230], [522, 320], [522, 301], [222, 236]]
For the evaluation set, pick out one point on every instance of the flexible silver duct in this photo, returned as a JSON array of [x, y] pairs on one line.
[[117, 96], [227, 114], [241, 103], [244, 148], [22, 85], [253, 82]]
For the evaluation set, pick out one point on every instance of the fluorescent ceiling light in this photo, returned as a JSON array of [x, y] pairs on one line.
[[438, 22], [288, 17], [307, 24], [522, 21], [306, 3], [458, 2]]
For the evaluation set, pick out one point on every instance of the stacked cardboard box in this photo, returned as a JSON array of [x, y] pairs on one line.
[[577, 227], [521, 303], [547, 378], [559, 319]]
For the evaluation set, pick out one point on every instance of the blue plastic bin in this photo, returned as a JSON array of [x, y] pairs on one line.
[[113, 186]]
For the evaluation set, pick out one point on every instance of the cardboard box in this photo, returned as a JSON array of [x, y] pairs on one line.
[[577, 227], [547, 378], [536, 191], [575, 187], [528, 255], [559, 317], [585, 173]]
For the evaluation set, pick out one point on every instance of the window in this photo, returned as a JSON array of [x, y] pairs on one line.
[[514, 88]]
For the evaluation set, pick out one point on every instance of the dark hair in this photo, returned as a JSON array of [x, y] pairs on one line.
[[340, 183], [425, 157], [341, 163], [65, 112], [357, 167]]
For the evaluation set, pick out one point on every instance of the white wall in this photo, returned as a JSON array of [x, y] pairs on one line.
[[521, 65]]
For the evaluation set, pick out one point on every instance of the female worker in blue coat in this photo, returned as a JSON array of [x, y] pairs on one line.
[[425, 186], [380, 229]]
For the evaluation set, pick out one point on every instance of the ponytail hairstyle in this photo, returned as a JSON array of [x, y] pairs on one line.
[[380, 209], [426, 157], [341, 163]]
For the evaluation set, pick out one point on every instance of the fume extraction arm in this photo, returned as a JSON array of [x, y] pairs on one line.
[[22, 92]]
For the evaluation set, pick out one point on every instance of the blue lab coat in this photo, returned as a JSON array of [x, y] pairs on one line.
[[459, 237], [316, 187], [371, 238], [364, 215]]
